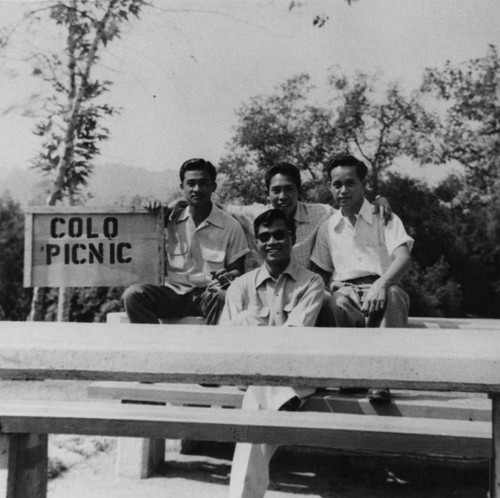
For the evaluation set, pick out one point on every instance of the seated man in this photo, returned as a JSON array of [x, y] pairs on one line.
[[280, 292], [204, 246], [367, 258]]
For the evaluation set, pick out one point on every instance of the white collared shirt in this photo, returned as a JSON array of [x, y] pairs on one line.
[[365, 249], [193, 252], [293, 299], [308, 218]]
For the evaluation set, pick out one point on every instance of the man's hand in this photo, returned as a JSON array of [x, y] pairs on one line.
[[382, 205], [176, 207], [223, 278], [335, 285], [374, 299], [155, 206]]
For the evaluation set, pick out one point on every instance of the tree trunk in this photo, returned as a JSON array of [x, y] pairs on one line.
[[36, 311], [63, 304]]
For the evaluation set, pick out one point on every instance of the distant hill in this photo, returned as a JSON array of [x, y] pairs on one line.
[[110, 184]]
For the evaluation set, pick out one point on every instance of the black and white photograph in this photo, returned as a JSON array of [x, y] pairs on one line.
[[250, 248]]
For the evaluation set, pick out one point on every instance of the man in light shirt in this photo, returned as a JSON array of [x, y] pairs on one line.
[[281, 292], [205, 247], [367, 258]]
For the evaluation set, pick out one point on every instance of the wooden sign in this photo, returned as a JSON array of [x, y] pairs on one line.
[[92, 247]]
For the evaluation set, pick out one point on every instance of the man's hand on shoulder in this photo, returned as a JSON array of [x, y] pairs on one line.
[[382, 206]]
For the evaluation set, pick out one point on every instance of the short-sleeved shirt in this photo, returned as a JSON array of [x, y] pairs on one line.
[[193, 252], [308, 218], [365, 249], [293, 299]]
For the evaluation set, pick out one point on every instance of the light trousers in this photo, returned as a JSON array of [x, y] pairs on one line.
[[343, 308]]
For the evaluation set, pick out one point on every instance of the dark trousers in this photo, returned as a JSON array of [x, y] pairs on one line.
[[148, 303]]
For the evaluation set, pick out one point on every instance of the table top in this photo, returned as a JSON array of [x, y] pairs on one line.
[[440, 359]]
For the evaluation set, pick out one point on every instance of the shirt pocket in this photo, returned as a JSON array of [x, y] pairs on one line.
[[264, 312], [213, 259], [177, 255]]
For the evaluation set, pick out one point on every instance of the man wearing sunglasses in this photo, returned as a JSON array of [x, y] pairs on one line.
[[281, 292], [205, 248]]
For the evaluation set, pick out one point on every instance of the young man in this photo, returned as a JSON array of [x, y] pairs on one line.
[[367, 258], [204, 246], [281, 292]]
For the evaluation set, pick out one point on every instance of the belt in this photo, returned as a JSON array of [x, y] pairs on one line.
[[368, 279]]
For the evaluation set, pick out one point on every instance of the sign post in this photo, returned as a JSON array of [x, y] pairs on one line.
[[92, 247]]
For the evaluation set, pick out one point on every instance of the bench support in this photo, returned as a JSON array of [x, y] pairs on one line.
[[23, 465], [495, 460], [138, 457]]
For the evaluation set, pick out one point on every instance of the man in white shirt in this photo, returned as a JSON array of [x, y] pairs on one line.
[[367, 258], [204, 246], [281, 292]]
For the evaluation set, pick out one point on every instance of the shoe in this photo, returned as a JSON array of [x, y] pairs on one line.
[[353, 390], [292, 405], [379, 396]]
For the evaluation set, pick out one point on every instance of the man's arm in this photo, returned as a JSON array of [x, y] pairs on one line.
[[375, 298], [382, 205], [225, 276], [234, 304], [306, 310], [325, 275]]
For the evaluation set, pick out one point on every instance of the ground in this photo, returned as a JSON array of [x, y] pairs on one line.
[[84, 467]]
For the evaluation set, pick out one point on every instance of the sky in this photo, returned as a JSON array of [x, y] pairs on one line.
[[182, 70]]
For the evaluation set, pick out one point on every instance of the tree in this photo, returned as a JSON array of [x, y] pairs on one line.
[[278, 127], [14, 299], [468, 132], [72, 126], [468, 124], [379, 126]]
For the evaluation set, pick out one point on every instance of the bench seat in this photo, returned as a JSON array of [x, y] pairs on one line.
[[404, 403], [351, 432]]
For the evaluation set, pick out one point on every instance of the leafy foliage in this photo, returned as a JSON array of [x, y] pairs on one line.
[[468, 123], [379, 126], [285, 127], [91, 304], [14, 299], [72, 126], [278, 127]]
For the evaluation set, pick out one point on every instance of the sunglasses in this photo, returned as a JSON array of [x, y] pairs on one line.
[[276, 235]]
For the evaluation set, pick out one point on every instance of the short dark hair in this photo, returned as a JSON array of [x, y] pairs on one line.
[[284, 168], [347, 160], [196, 165], [267, 217]]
